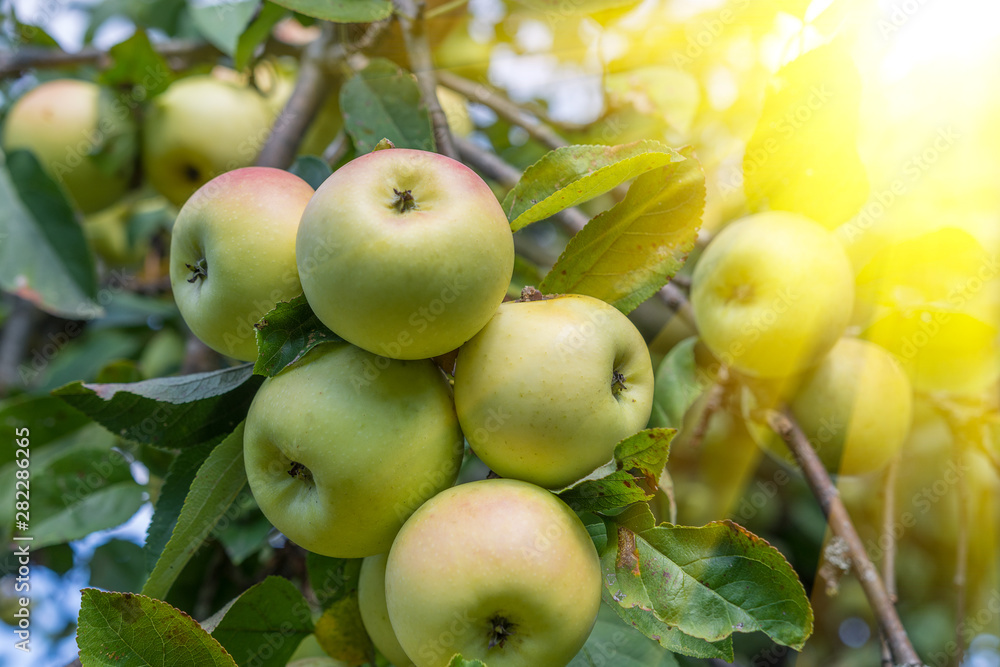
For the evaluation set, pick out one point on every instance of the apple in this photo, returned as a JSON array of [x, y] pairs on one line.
[[934, 301], [772, 293], [77, 131], [855, 407], [375, 614], [342, 446], [198, 128], [404, 253], [232, 255], [497, 570], [548, 388]]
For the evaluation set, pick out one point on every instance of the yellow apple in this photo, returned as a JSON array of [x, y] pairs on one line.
[[548, 388], [855, 407], [232, 255], [772, 293], [198, 128], [497, 570], [73, 127], [342, 446], [375, 614]]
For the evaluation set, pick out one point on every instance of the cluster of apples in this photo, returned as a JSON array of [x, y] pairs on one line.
[[353, 450], [773, 295]]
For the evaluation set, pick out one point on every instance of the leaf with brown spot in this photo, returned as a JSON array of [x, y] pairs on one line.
[[122, 628]]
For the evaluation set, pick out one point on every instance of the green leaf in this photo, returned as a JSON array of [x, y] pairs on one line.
[[571, 175], [117, 566], [265, 624], [332, 579], [614, 642], [135, 63], [383, 101], [172, 412], [47, 419], [341, 11], [286, 333], [255, 34], [222, 23], [126, 629], [708, 582], [84, 359], [624, 255], [678, 385], [311, 169], [86, 486], [44, 256], [459, 661], [619, 489], [175, 488], [645, 453], [803, 154], [667, 636], [219, 480]]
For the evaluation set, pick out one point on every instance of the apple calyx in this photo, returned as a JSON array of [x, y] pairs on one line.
[[617, 383], [198, 270], [299, 471], [404, 201], [192, 173], [500, 630]]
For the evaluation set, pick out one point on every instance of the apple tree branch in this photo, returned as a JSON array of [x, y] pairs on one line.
[[840, 522]]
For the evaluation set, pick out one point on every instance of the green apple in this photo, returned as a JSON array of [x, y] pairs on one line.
[[548, 388], [405, 253], [198, 128], [232, 255], [497, 570], [107, 233], [772, 293], [81, 136], [342, 446], [375, 614], [855, 407]]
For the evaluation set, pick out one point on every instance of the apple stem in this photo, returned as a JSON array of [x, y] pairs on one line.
[[617, 382], [404, 201], [500, 630], [199, 270]]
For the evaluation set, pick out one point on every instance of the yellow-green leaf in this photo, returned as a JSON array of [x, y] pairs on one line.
[[571, 175], [627, 253]]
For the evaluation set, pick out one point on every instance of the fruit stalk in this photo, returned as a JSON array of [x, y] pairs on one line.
[[840, 522]]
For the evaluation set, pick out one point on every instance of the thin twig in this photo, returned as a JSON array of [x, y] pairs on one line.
[[840, 522], [888, 543], [410, 14], [509, 111], [962, 545], [26, 58]]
